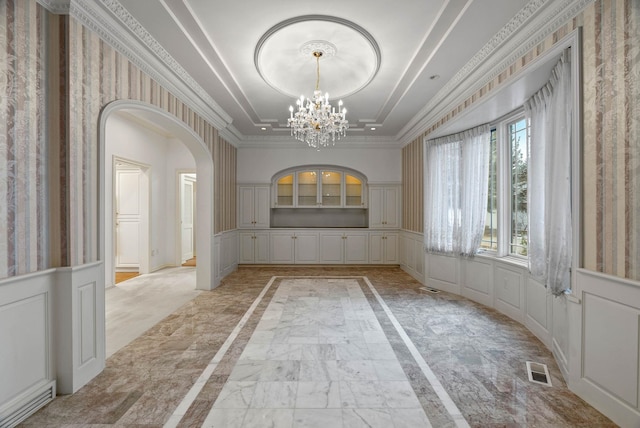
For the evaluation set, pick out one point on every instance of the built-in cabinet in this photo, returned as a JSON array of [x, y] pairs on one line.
[[384, 207], [327, 246], [338, 247], [294, 247], [383, 248], [253, 207], [318, 214], [326, 187], [254, 247]]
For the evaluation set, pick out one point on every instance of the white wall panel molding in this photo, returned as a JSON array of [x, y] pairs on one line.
[[477, 280], [412, 255], [227, 252], [607, 372], [27, 369], [538, 311], [79, 312], [509, 292], [443, 273]]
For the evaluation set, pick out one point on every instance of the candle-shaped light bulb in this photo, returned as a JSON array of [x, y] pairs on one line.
[[291, 111], [344, 113], [326, 97]]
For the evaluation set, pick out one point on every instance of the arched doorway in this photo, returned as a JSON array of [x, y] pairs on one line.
[[204, 166]]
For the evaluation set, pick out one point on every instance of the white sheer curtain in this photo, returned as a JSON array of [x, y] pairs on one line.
[[456, 185], [550, 231]]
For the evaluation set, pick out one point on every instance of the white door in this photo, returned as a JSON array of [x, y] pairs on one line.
[[187, 215], [128, 216]]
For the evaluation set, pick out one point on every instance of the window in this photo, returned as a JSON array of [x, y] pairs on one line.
[[506, 229], [490, 237], [518, 144]]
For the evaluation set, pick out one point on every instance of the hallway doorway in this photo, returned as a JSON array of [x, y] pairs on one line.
[[186, 196], [163, 248], [131, 205]]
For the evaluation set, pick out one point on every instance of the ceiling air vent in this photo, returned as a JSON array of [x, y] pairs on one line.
[[538, 373]]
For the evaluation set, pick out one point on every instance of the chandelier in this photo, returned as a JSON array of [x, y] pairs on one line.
[[316, 122]]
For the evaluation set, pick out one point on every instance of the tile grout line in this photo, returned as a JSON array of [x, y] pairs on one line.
[[446, 400], [190, 397]]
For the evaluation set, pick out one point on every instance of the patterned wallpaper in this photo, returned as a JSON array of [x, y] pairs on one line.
[[51, 130], [413, 186], [611, 76], [611, 127], [23, 149]]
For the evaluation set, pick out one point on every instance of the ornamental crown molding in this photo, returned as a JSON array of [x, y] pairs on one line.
[[534, 23], [148, 55], [58, 7]]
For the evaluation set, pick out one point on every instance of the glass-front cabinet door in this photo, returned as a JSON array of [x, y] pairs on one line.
[[331, 188], [319, 186], [285, 191], [353, 191], [307, 188]]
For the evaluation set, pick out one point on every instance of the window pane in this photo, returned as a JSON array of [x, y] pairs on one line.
[[490, 237], [518, 135]]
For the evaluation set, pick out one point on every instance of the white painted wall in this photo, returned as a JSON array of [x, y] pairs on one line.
[[258, 165], [130, 140]]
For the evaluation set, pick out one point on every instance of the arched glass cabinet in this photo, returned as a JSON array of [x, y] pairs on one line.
[[319, 196]]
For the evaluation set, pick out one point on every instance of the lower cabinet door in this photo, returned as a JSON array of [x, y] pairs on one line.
[[332, 247], [356, 248], [281, 247], [306, 247]]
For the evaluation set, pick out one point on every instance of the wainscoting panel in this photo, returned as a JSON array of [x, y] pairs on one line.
[[229, 252], [538, 313], [80, 325], [508, 291], [560, 333], [611, 326], [27, 375], [412, 254], [225, 254], [442, 273], [609, 377], [477, 284], [87, 297], [407, 255]]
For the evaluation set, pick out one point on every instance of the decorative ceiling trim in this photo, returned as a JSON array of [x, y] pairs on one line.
[[325, 44], [147, 54], [519, 36], [58, 7]]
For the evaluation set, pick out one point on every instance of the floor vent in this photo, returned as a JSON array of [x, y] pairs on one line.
[[538, 373], [430, 290], [22, 411]]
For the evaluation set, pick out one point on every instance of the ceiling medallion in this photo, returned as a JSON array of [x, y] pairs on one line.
[[316, 122]]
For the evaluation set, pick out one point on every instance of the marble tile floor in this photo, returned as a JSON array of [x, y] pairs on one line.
[[475, 355]]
